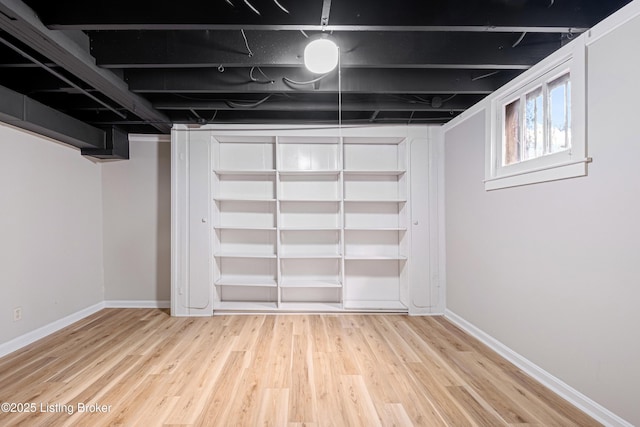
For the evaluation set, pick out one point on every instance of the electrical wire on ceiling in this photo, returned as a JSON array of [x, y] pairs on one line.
[[246, 43], [519, 40], [449, 98], [422, 100], [199, 119], [256, 11], [294, 82], [484, 76], [304, 34], [193, 98], [218, 99], [411, 101], [251, 7], [253, 79], [435, 102], [234, 104], [280, 6]]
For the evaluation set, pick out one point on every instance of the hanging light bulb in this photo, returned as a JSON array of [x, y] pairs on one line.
[[321, 56]]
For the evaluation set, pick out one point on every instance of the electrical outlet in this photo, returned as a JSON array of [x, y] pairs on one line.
[[17, 314]]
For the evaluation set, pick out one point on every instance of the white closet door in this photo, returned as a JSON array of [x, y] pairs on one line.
[[191, 291], [420, 283], [199, 225]]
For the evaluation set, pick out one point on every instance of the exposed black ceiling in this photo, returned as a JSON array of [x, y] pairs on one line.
[[142, 67]]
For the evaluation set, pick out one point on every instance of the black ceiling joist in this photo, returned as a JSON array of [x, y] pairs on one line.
[[287, 105], [183, 49], [23, 112], [354, 80], [22, 23], [326, 28], [165, 15]]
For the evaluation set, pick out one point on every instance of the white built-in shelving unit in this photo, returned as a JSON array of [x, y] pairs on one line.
[[304, 220], [309, 222]]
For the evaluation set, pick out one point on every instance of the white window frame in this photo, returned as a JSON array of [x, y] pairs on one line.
[[549, 167]]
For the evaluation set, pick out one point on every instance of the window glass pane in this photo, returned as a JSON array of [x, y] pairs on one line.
[[534, 122], [559, 114], [511, 148]]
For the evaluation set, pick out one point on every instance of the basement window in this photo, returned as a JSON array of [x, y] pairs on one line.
[[537, 124]]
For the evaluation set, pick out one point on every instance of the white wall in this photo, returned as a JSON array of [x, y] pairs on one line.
[[137, 222], [552, 270], [50, 232]]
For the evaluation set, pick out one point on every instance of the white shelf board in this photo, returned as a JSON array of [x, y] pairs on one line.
[[336, 200], [375, 200], [242, 199], [376, 172], [375, 229], [310, 256], [306, 140], [241, 227], [374, 305], [242, 255], [268, 282], [375, 258], [311, 306], [244, 139], [373, 140], [294, 283], [309, 228], [315, 172], [245, 171], [245, 306]]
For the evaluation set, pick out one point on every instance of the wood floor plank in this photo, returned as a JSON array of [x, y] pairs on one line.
[[427, 354], [217, 409], [418, 407], [272, 370], [273, 407], [277, 369], [360, 410], [373, 367], [331, 408], [396, 416], [480, 415], [302, 399], [197, 388], [439, 396]]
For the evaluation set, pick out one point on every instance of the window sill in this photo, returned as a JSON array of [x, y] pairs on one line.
[[554, 172]]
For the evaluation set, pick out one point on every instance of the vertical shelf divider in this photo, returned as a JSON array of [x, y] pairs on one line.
[[277, 163], [215, 234], [342, 222]]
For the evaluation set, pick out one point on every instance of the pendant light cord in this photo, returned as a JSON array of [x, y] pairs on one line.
[[339, 92]]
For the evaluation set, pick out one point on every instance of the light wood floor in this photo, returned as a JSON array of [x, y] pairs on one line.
[[284, 370]]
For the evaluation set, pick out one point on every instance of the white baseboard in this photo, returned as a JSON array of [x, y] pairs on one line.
[[137, 304], [29, 337], [573, 396]]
